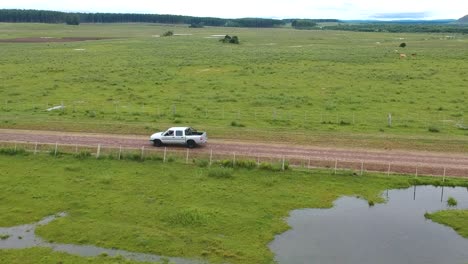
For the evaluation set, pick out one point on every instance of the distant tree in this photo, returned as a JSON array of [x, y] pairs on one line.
[[197, 25], [72, 19], [168, 33], [303, 24], [229, 39], [402, 45], [234, 40]]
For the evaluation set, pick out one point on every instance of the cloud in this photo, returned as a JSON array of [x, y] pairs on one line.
[[411, 15]]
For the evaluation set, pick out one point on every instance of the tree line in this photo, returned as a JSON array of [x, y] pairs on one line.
[[41, 16], [397, 28]]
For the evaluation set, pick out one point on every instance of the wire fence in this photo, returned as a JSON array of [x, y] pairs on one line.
[[275, 116], [208, 157]]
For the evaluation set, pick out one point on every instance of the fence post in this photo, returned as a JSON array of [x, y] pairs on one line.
[[362, 167], [35, 148], [282, 165], [416, 175], [443, 179], [142, 152], [98, 151], [336, 165], [55, 152], [120, 151], [388, 171], [234, 160], [186, 158], [211, 156], [165, 150], [308, 164]]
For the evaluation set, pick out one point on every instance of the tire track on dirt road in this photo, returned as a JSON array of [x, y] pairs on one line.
[[430, 163]]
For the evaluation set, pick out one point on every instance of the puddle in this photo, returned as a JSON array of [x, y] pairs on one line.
[[394, 232], [23, 236]]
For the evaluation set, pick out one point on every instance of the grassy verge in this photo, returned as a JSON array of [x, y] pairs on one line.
[[457, 219], [168, 208], [47, 256]]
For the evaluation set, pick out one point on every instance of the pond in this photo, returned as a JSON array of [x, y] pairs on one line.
[[23, 236], [392, 232]]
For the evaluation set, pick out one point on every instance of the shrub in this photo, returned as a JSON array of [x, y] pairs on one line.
[[202, 163], [187, 217], [433, 129], [168, 33], [248, 164], [220, 173], [82, 154], [13, 152], [235, 124], [452, 202]]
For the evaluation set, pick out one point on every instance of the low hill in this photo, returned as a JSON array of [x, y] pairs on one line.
[[463, 19]]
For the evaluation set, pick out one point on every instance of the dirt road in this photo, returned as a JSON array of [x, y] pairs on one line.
[[411, 162]]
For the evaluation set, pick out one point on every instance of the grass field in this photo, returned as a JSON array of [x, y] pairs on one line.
[[322, 85], [167, 208], [457, 219]]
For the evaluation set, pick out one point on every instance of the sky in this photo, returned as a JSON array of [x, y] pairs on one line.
[[338, 9]]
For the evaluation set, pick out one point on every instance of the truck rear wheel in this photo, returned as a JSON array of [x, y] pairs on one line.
[[157, 143], [191, 144]]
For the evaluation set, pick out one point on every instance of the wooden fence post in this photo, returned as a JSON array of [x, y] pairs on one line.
[[98, 152], [336, 165], [211, 156]]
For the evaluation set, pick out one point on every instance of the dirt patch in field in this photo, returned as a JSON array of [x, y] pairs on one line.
[[49, 39]]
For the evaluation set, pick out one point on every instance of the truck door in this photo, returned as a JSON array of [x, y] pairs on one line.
[[168, 137], [179, 137]]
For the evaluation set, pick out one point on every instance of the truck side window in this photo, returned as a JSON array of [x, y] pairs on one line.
[[169, 133], [178, 133]]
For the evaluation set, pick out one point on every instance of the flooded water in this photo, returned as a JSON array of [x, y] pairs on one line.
[[23, 236], [394, 232]]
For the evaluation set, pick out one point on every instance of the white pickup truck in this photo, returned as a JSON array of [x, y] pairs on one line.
[[179, 136]]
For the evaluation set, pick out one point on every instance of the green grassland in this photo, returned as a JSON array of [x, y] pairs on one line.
[[168, 208], [323, 85], [457, 219]]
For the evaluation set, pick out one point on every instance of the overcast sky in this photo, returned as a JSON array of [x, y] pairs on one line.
[[339, 9]]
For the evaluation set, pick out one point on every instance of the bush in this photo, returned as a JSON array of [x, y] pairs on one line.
[[202, 163], [452, 202], [168, 33], [229, 39], [235, 124], [433, 129], [220, 173], [13, 152], [82, 155]]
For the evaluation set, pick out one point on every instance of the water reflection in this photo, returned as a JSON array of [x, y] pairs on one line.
[[394, 232]]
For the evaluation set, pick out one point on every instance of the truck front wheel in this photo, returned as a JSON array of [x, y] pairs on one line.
[[191, 144], [157, 143]]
